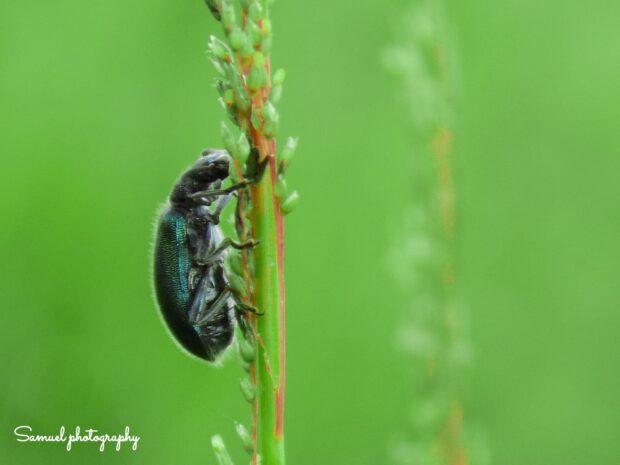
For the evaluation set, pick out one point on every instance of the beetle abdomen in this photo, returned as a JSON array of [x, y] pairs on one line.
[[172, 265], [217, 333]]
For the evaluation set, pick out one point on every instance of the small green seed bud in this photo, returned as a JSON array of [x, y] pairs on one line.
[[270, 112], [278, 77], [229, 97], [218, 444], [246, 438], [254, 34], [290, 203], [271, 119], [248, 390], [228, 16], [266, 29], [255, 11], [222, 103], [265, 45], [218, 67], [257, 78], [247, 350], [244, 147], [276, 94], [242, 101], [281, 187], [221, 453], [218, 48], [228, 138], [237, 39], [259, 59], [288, 152]]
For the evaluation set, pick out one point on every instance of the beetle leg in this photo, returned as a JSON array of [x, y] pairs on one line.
[[214, 216], [212, 309], [213, 256], [221, 248], [248, 308], [243, 306], [218, 192], [201, 297], [219, 206], [249, 244]]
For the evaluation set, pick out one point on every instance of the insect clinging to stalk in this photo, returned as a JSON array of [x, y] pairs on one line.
[[192, 288]]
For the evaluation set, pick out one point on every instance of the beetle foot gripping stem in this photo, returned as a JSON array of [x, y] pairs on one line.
[[248, 308], [249, 244], [220, 249], [218, 192]]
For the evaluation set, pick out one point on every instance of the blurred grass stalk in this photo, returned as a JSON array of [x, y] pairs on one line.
[[248, 93], [425, 60]]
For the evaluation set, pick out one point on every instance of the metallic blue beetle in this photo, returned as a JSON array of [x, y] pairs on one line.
[[191, 286]]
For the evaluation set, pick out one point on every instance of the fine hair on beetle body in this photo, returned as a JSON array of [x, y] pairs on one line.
[[191, 284]]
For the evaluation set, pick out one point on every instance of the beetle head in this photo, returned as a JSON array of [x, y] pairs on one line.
[[210, 167], [208, 172]]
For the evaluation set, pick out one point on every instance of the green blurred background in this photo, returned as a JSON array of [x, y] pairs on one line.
[[104, 103]]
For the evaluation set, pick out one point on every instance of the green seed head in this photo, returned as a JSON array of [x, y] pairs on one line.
[[229, 97], [259, 59], [238, 39], [246, 438], [221, 453], [228, 138], [255, 11], [228, 16], [257, 78], [290, 203], [243, 146], [265, 45], [276, 94], [278, 77], [271, 119], [287, 153], [266, 29], [218, 48], [247, 351], [247, 389]]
